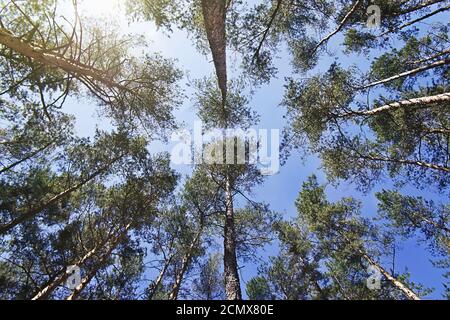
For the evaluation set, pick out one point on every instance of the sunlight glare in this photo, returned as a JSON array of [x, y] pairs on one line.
[[101, 8]]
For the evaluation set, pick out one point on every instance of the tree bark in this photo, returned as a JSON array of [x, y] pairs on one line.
[[420, 6], [409, 23], [85, 281], [214, 15], [424, 102], [31, 155], [232, 283], [436, 64], [398, 284], [34, 211], [153, 287], [184, 265], [339, 27], [408, 162], [47, 290], [51, 59], [266, 32]]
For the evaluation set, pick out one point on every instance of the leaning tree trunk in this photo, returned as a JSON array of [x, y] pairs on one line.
[[214, 15], [231, 272], [85, 281], [45, 292], [153, 288], [422, 102], [396, 283], [407, 162], [433, 65], [31, 155], [37, 209], [56, 60], [184, 265]]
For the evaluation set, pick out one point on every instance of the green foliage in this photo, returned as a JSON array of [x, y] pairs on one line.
[[258, 289]]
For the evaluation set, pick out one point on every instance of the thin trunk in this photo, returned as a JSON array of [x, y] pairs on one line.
[[436, 64], [153, 288], [232, 283], [437, 130], [431, 222], [340, 26], [85, 281], [31, 155], [419, 6], [51, 59], [398, 284], [185, 262], [341, 289], [408, 162], [410, 23], [47, 290], [34, 211], [424, 102], [437, 55], [266, 32]]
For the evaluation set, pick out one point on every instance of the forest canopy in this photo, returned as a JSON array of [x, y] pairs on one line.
[[351, 97]]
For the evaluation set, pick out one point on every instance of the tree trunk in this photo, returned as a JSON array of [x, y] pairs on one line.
[[50, 59], [436, 64], [34, 211], [31, 155], [85, 281], [47, 290], [396, 283], [408, 162], [184, 265], [153, 287], [232, 283], [340, 26], [214, 15], [424, 102], [411, 22], [420, 6], [399, 285]]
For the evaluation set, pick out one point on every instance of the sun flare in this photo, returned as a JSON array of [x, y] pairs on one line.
[[101, 8]]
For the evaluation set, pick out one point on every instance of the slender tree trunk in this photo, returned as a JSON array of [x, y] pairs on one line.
[[232, 283], [437, 130], [340, 26], [425, 220], [45, 292], [35, 210], [424, 102], [408, 162], [266, 32], [422, 5], [31, 155], [184, 265], [153, 287], [398, 284], [436, 64], [411, 22], [437, 55], [85, 281], [341, 289]]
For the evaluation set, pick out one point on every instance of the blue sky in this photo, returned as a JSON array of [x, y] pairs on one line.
[[280, 190]]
